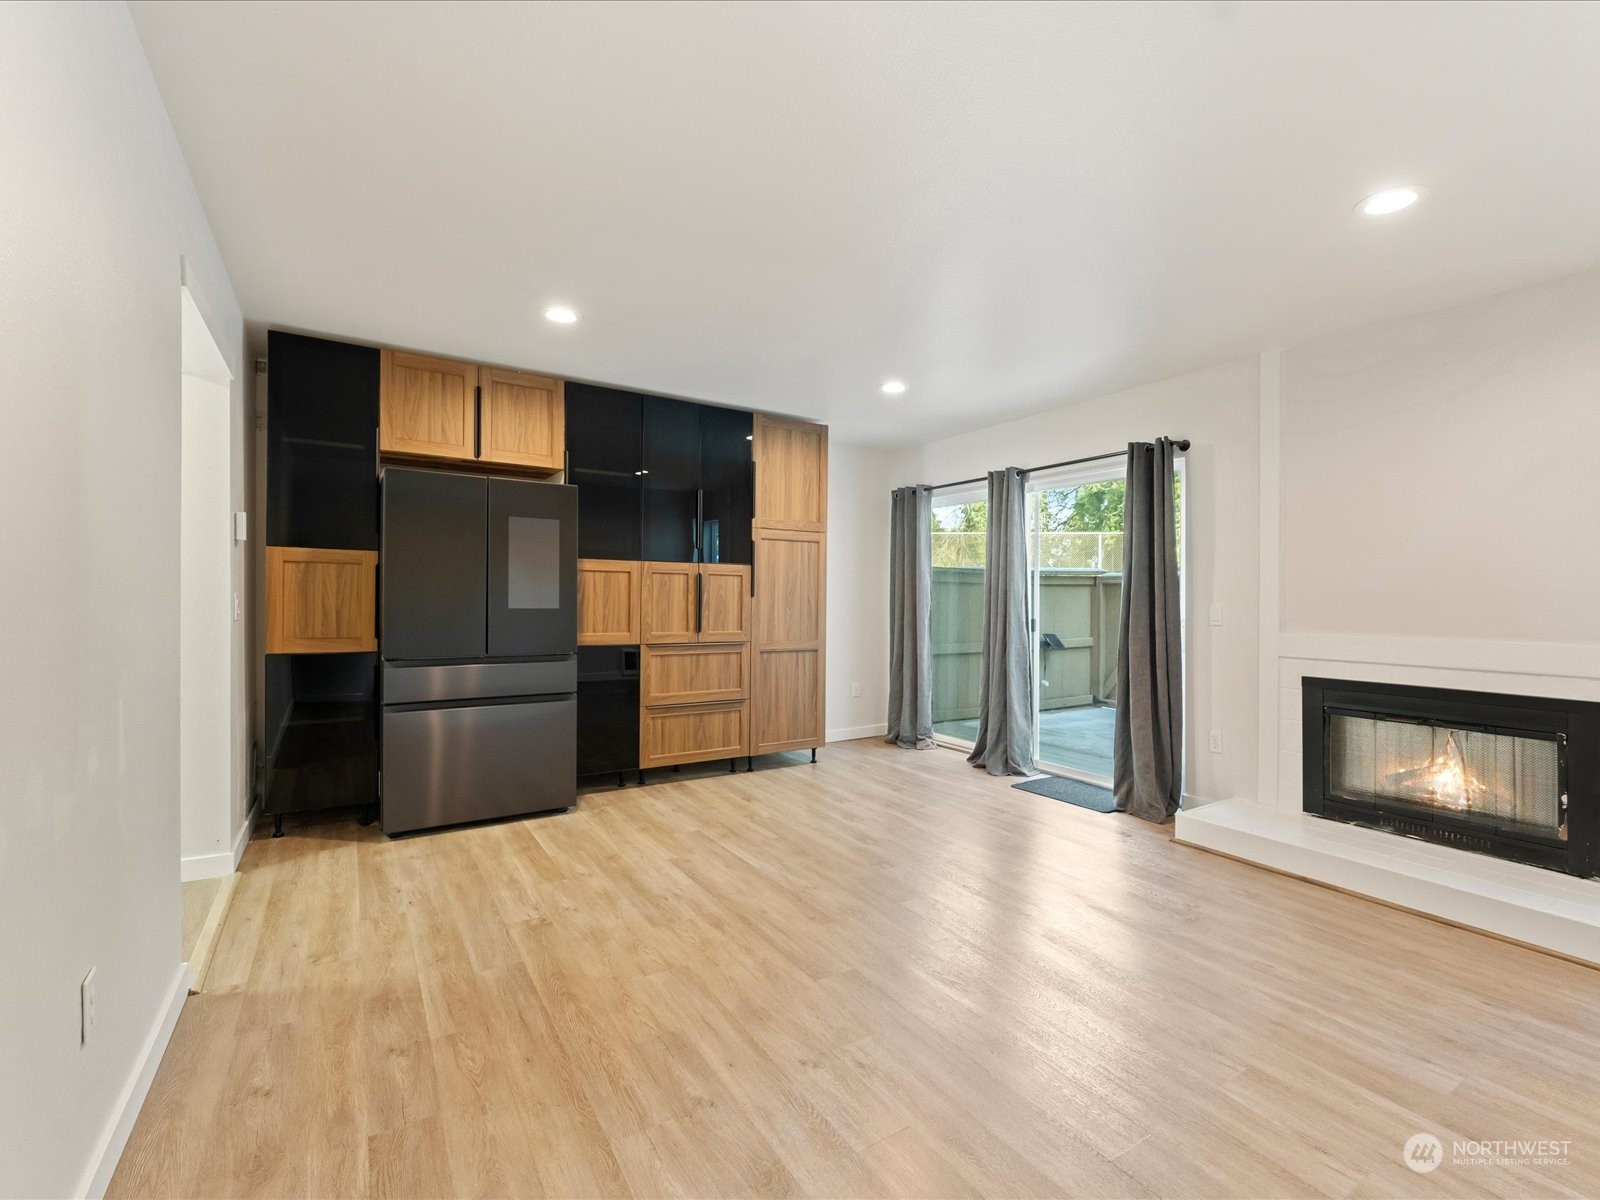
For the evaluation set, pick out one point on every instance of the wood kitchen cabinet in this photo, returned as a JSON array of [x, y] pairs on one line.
[[791, 474], [522, 420], [693, 674], [609, 593], [790, 618], [693, 733], [427, 407], [443, 409], [695, 602], [321, 601]]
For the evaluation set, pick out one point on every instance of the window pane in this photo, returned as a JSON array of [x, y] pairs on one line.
[[960, 531]]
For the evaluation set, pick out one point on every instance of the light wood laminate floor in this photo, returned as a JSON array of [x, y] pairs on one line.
[[887, 974]]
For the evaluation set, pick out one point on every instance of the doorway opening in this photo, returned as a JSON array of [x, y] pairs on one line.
[[207, 609]]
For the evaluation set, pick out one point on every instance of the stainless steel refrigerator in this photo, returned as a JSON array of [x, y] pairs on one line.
[[479, 636]]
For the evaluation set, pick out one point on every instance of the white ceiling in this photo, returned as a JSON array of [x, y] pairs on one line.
[[1010, 206]]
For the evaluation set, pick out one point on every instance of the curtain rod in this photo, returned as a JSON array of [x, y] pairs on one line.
[[1177, 444]]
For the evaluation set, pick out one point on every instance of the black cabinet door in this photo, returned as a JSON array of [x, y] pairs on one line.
[[605, 461], [727, 483], [322, 443], [533, 568], [433, 565], [671, 478]]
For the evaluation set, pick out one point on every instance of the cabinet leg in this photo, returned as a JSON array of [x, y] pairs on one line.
[[675, 768], [733, 765], [622, 780], [750, 763], [277, 826], [813, 754], [641, 775], [366, 815]]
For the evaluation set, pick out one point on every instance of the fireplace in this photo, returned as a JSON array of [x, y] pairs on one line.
[[1513, 776]]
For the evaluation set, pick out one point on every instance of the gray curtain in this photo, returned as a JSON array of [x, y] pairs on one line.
[[1004, 745], [911, 618], [1148, 752]]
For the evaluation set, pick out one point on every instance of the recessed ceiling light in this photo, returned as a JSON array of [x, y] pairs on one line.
[[1391, 200], [893, 387], [561, 314]]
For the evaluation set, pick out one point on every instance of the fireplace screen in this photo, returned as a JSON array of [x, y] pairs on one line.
[[1509, 781]]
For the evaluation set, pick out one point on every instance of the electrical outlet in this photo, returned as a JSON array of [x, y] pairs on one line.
[[1216, 614], [88, 1004], [855, 689], [1216, 742]]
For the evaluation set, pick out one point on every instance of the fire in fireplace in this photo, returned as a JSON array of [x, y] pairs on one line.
[[1513, 776]]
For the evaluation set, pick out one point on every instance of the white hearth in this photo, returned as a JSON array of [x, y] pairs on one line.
[[1538, 907]]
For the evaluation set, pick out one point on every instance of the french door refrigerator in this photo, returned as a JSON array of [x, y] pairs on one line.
[[479, 638]]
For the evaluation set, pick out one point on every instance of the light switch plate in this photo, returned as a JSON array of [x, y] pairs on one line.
[[1216, 614], [241, 527]]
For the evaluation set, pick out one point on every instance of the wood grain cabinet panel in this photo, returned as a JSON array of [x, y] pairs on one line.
[[724, 603], [667, 607], [522, 420], [693, 733], [787, 672], [321, 601], [426, 406], [608, 602], [791, 460], [693, 674], [787, 701]]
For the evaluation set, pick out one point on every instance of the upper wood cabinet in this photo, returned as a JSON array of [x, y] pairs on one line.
[[791, 474], [609, 602], [439, 408], [321, 601], [522, 422], [427, 406]]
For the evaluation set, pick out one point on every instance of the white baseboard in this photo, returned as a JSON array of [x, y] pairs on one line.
[[225, 862], [850, 733], [108, 1150]]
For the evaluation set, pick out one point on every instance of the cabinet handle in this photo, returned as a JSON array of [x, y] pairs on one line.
[[699, 601], [477, 422]]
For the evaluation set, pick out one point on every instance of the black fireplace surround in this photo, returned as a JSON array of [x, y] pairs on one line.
[[1517, 777]]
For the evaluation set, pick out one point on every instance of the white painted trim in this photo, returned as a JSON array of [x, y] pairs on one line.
[[851, 733], [1270, 467], [224, 862], [103, 1161], [1560, 660]]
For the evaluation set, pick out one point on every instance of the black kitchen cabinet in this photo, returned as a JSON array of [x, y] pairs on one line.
[[322, 493], [671, 479], [658, 479], [322, 443], [605, 460], [727, 485]]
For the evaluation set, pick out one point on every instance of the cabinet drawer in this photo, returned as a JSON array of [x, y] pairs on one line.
[[321, 601], [693, 674], [693, 733]]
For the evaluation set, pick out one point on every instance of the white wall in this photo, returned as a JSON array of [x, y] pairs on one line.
[[858, 591], [96, 208], [1437, 505], [1216, 410]]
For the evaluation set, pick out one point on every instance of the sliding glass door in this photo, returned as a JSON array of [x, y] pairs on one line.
[[1075, 543], [960, 531]]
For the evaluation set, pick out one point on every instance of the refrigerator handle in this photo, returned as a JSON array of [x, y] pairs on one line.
[[477, 422]]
